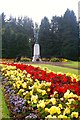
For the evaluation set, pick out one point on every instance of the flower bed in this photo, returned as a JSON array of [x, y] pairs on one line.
[[36, 93]]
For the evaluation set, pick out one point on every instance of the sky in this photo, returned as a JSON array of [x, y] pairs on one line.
[[37, 9]]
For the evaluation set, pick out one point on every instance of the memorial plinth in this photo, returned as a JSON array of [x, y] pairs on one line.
[[36, 53]]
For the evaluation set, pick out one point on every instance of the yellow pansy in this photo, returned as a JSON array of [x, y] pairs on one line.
[[31, 92], [66, 95], [52, 110], [74, 114], [60, 106], [48, 83], [39, 90], [53, 100], [41, 104], [48, 89], [34, 98], [47, 102], [43, 92], [58, 110], [18, 86], [62, 116], [78, 97], [21, 90], [49, 116], [24, 93], [14, 85], [66, 111], [46, 110], [24, 85], [71, 100], [28, 75]]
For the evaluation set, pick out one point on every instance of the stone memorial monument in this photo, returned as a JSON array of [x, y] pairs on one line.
[[36, 52]]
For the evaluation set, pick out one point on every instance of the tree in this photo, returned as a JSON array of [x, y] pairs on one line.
[[17, 37], [44, 37], [56, 35], [70, 35]]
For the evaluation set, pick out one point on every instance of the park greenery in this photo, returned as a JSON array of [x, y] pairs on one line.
[[40, 90], [57, 37]]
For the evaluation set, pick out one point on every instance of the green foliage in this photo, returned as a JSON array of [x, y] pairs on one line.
[[4, 113], [44, 37], [60, 37], [45, 59], [54, 59], [17, 36]]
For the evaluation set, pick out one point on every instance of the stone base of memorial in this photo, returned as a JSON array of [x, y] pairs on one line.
[[36, 56]]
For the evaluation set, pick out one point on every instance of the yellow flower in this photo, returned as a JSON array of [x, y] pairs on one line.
[[35, 85], [18, 86], [46, 110], [48, 83], [74, 114], [14, 85], [53, 100], [71, 95], [78, 97], [43, 92], [54, 117], [24, 85], [28, 75], [75, 96], [20, 91], [66, 95], [25, 93], [52, 110], [34, 98], [66, 111], [31, 92], [62, 116], [49, 116], [28, 102], [39, 90], [71, 100], [58, 110], [60, 106], [55, 92], [41, 104], [48, 89], [47, 102]]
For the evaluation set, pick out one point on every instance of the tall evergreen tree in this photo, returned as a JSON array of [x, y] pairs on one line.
[[70, 35], [44, 37], [56, 36], [17, 37]]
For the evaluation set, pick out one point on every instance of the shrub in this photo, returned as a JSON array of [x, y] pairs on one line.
[[54, 60], [45, 59], [58, 60], [25, 59]]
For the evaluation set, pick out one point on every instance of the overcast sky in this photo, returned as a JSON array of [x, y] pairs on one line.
[[37, 9]]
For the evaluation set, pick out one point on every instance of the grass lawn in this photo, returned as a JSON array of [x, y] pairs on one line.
[[73, 64], [4, 113], [58, 69]]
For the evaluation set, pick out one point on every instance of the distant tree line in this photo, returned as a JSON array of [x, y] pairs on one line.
[[57, 38]]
